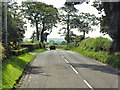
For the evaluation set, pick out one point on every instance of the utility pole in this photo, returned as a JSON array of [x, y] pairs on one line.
[[5, 23]]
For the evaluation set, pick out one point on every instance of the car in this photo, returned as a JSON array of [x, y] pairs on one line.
[[52, 47]]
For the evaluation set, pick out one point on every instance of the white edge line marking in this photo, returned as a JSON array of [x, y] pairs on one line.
[[66, 60], [74, 69], [88, 85], [34, 60]]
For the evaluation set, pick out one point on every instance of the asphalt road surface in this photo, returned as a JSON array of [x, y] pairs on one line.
[[67, 69]]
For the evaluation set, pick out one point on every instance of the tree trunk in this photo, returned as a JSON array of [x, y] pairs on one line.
[[37, 31], [42, 32], [84, 33], [112, 20], [68, 31]]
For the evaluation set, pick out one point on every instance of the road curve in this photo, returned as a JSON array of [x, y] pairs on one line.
[[67, 69]]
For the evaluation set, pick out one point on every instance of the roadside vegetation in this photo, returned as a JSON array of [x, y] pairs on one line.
[[15, 52], [12, 69], [97, 48]]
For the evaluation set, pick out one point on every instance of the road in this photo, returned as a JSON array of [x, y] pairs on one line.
[[67, 69]]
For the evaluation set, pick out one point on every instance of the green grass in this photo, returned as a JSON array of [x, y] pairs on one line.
[[12, 69], [102, 56], [39, 50]]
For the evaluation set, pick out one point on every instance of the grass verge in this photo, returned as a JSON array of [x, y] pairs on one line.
[[39, 50], [102, 56], [12, 69]]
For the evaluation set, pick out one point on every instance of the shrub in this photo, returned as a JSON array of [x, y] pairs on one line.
[[19, 52], [71, 45], [32, 46], [98, 48], [96, 44]]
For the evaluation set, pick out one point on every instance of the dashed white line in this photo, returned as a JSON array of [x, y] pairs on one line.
[[88, 85], [66, 60], [74, 69], [30, 77], [62, 56]]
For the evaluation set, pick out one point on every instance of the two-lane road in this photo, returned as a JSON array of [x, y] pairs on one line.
[[67, 69]]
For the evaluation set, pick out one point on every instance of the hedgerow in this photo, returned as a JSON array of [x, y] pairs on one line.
[[97, 48]]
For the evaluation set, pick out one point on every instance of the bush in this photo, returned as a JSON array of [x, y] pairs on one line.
[[96, 44], [98, 48], [32, 46], [71, 45], [19, 52], [114, 60]]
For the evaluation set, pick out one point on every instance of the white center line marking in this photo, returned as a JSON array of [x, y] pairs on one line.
[[88, 85], [66, 60], [74, 69], [62, 56], [30, 77]]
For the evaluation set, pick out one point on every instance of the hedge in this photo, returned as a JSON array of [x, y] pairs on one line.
[[19, 52], [32, 46]]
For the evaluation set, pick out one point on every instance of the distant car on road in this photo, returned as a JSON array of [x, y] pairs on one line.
[[52, 47]]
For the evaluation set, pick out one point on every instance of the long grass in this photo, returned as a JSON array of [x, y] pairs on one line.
[[12, 69]]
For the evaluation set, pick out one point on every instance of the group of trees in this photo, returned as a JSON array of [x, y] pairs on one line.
[[71, 19], [44, 17], [15, 26]]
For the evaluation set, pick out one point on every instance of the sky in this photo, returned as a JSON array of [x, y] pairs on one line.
[[86, 8]]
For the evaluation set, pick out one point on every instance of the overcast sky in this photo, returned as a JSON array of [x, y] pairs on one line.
[[86, 8]]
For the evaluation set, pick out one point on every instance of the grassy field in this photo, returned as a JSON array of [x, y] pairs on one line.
[[12, 69]]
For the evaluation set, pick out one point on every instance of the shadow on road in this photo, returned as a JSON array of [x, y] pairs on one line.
[[38, 70], [95, 67]]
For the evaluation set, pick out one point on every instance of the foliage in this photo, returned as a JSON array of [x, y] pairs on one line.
[[79, 38], [110, 22], [32, 46], [95, 44], [63, 43], [19, 52], [13, 68], [97, 48], [71, 45], [84, 21], [42, 16], [66, 14], [39, 50], [15, 27]]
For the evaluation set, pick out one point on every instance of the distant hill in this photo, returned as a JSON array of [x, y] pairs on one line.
[[48, 39], [55, 39]]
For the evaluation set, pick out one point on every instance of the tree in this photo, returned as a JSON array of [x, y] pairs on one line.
[[110, 22], [63, 43], [15, 27], [84, 22], [42, 16], [67, 13], [33, 37]]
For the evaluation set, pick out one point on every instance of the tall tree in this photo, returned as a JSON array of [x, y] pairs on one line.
[[41, 15], [67, 13], [84, 22], [110, 22], [15, 27]]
